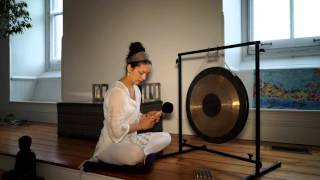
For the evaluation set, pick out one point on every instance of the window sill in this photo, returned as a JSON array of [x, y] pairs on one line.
[[46, 75], [49, 75], [32, 102], [287, 52]]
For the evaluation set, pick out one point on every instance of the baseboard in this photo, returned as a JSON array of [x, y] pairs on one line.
[[33, 114]]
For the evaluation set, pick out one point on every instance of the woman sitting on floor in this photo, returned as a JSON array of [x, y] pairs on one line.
[[119, 143]]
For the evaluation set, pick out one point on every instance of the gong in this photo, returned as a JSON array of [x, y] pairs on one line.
[[217, 105]]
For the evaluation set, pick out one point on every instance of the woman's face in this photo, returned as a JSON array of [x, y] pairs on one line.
[[139, 73]]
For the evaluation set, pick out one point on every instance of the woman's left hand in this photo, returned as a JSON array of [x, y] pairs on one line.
[[155, 115]]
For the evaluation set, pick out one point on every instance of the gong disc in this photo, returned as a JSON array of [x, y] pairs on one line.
[[217, 105]]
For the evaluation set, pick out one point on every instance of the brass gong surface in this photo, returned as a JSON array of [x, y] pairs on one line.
[[217, 105]]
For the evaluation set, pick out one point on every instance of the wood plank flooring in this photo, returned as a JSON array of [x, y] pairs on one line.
[[71, 152]]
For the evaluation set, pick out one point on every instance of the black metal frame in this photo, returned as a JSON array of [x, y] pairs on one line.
[[259, 171]]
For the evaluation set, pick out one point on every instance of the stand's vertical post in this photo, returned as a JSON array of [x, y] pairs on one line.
[[257, 71], [180, 102]]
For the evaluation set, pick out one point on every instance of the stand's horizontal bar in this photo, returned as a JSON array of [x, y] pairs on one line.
[[220, 48], [204, 148], [177, 153]]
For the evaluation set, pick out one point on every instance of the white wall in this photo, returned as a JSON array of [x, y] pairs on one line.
[[97, 36], [22, 88], [47, 90], [96, 39]]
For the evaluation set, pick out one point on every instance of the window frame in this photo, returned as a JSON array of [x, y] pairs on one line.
[[279, 48], [52, 64]]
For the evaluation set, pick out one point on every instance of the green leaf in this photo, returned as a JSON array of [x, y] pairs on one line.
[[14, 17]]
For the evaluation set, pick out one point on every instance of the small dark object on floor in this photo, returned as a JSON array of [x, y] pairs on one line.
[[202, 174], [291, 149], [18, 122]]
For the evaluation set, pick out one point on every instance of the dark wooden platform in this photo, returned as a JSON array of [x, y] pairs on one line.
[[70, 153]]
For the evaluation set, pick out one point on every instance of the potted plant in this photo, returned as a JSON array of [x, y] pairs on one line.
[[14, 17]]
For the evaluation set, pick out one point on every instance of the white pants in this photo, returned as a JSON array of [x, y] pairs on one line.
[[131, 154]]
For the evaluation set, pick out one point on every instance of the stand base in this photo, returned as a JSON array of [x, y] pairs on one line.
[[263, 171], [259, 171]]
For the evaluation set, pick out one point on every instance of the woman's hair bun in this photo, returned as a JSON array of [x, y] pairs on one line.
[[135, 47]]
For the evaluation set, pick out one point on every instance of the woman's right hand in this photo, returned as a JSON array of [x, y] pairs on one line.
[[146, 122]]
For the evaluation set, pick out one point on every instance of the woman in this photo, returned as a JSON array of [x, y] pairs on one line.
[[119, 143]]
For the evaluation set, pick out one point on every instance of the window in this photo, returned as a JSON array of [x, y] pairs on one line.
[[56, 32], [285, 26], [30, 80]]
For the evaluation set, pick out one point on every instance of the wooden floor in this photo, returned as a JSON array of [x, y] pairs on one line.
[[70, 152]]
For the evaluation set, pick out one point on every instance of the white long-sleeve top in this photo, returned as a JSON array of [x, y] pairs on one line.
[[120, 110]]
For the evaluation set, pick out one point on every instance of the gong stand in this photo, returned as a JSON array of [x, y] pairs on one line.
[[259, 171]]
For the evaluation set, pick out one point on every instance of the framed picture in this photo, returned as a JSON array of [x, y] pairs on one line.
[[104, 89], [151, 92], [96, 93]]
